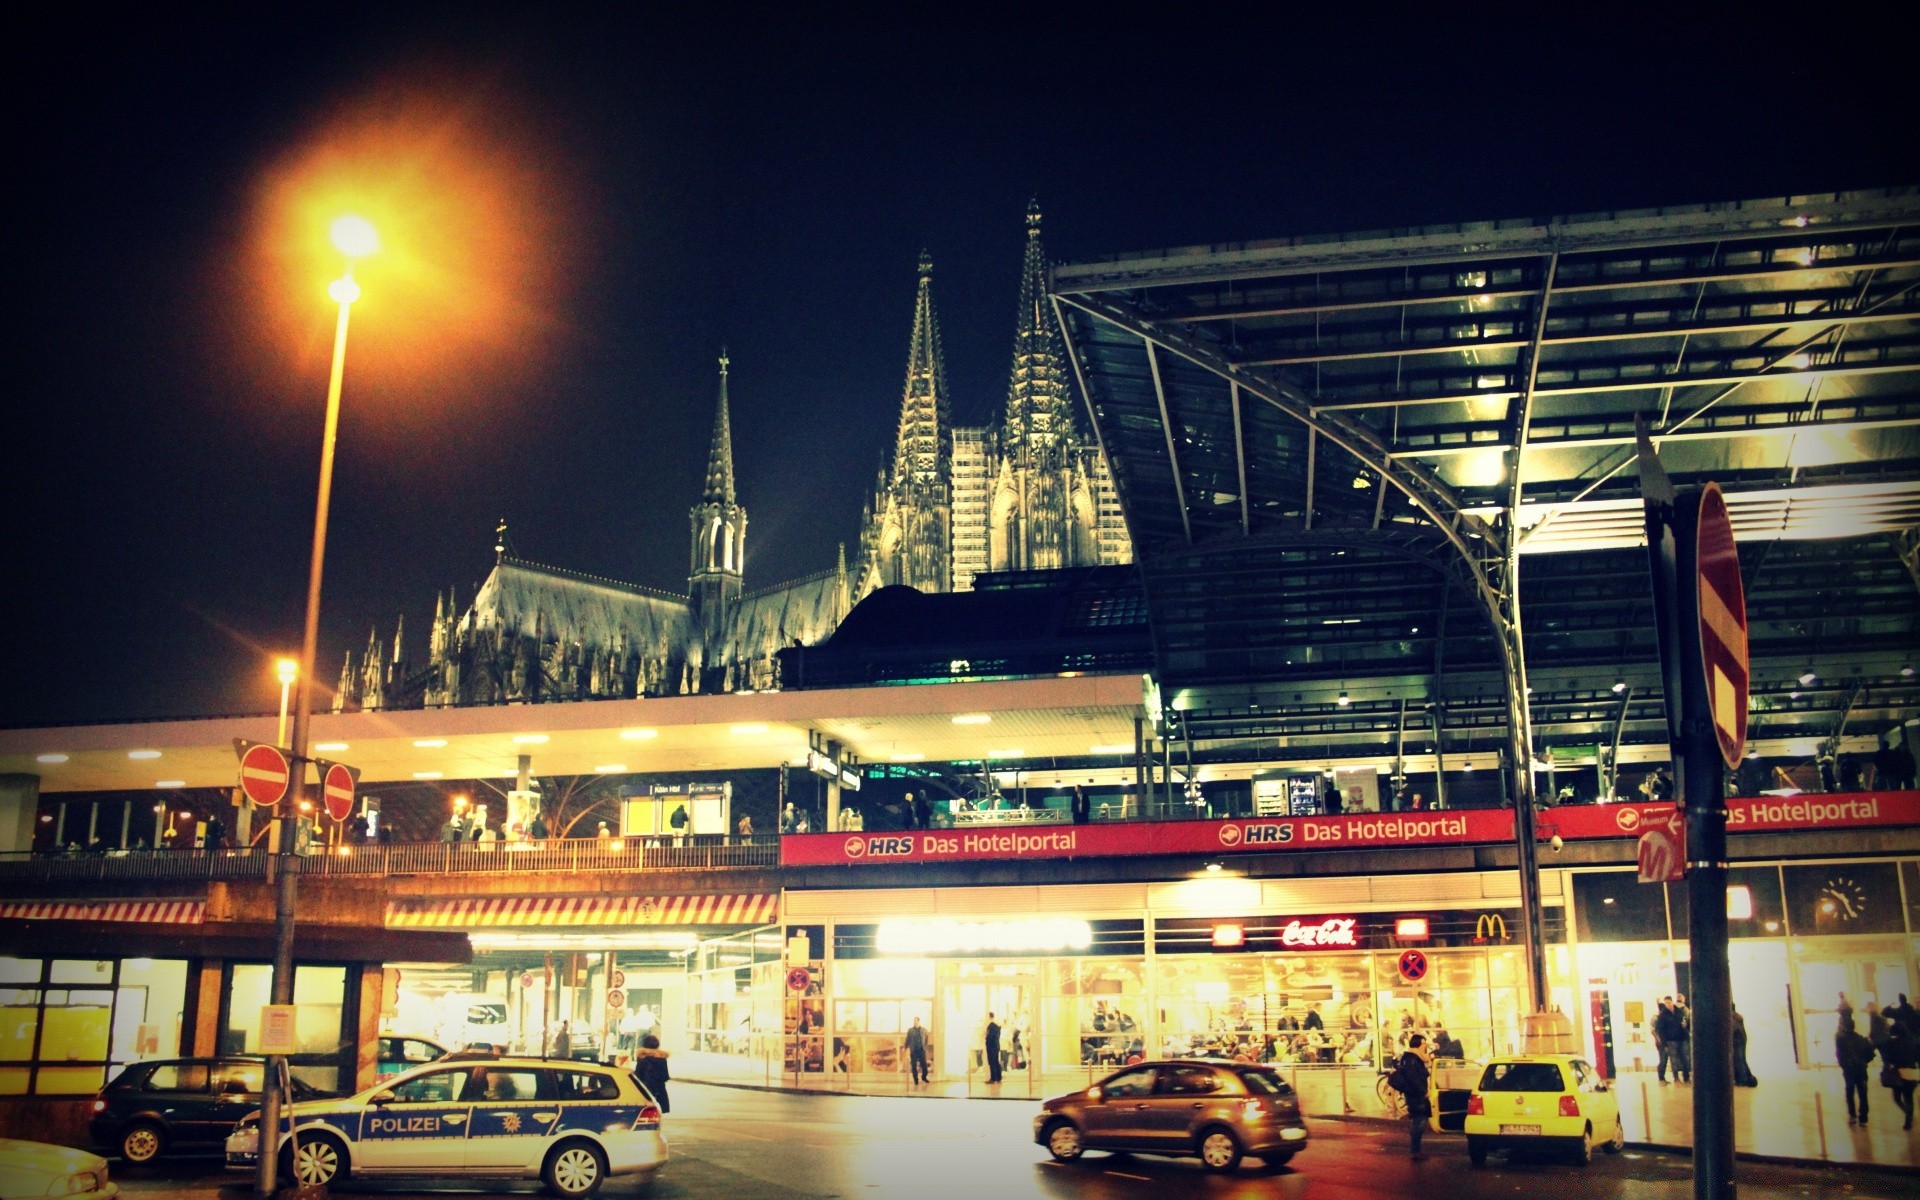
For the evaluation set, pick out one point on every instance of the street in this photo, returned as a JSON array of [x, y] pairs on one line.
[[749, 1145]]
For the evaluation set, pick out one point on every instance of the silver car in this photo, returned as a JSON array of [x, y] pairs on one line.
[[1206, 1109]]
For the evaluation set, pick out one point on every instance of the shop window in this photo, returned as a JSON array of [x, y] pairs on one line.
[[1910, 878], [1614, 906], [69, 1023], [1757, 911], [1833, 899], [325, 1047]]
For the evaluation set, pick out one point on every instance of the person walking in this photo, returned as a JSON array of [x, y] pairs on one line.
[[1663, 1023], [745, 827], [1853, 1052], [1683, 1047], [1743, 1075], [993, 1049], [1878, 1027], [1414, 1077], [650, 1067], [1901, 1072], [917, 1051], [563, 1041]]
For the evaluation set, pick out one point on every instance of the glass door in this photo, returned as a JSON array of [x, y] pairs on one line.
[[971, 994]]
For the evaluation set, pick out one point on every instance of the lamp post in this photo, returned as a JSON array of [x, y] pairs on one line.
[[289, 671], [355, 238]]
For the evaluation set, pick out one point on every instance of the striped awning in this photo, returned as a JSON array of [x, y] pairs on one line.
[[519, 912], [148, 912]]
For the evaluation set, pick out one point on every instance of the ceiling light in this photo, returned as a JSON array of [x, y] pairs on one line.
[[1808, 679], [51, 758], [1907, 671], [1344, 700], [143, 754], [529, 739], [610, 769], [1120, 748], [329, 747], [170, 783], [973, 718], [906, 756], [1213, 867], [1793, 695], [748, 730], [635, 735], [1006, 754], [1619, 685], [429, 743], [426, 774]]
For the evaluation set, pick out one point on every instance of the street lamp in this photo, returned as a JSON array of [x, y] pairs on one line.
[[354, 237], [289, 671]]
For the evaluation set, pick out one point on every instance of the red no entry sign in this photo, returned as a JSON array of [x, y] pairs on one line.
[[1723, 625], [337, 790], [264, 774]]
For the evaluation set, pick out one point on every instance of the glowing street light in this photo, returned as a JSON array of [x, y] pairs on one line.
[[355, 238], [288, 670]]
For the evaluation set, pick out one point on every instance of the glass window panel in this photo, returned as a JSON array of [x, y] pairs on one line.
[[248, 993], [236, 1077], [150, 1008], [19, 970], [19, 1019], [69, 1081], [79, 970], [13, 1081], [1843, 898], [320, 995], [178, 1077], [324, 1080], [884, 977], [1614, 906], [435, 1087], [500, 1085], [74, 1034]]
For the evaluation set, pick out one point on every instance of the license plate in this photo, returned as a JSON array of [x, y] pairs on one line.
[[1521, 1130]]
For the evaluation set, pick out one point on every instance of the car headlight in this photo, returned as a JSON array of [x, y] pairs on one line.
[[78, 1183]]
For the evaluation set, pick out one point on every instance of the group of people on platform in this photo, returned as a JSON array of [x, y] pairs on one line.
[[1893, 1036]]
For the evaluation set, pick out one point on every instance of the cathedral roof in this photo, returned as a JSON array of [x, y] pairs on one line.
[[531, 600], [801, 610]]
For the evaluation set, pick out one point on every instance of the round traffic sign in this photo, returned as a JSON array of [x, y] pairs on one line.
[[337, 789], [618, 979], [264, 774], [1413, 965], [526, 979], [616, 998], [1722, 604], [799, 979]]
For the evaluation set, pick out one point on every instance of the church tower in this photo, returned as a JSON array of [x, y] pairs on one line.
[[910, 535], [719, 538], [1041, 511]]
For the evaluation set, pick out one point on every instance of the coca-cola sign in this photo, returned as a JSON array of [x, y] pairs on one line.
[[1330, 933]]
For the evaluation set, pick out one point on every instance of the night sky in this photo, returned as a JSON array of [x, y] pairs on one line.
[[623, 198]]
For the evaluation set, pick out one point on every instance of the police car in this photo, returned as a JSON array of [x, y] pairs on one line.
[[571, 1124]]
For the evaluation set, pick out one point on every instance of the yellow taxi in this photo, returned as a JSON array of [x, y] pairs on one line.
[[1541, 1101]]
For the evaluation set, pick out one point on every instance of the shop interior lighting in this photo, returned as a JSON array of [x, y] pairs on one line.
[[50, 759], [426, 774], [171, 783], [143, 754], [973, 719], [1739, 902], [529, 739], [1229, 937], [1412, 929], [429, 743], [912, 937], [329, 747]]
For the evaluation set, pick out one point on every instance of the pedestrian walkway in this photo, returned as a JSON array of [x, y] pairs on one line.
[[1800, 1117]]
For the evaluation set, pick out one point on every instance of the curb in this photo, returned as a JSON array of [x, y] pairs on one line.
[[1775, 1160]]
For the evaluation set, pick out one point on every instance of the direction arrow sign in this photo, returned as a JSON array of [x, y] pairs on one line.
[[1723, 625], [264, 774], [1661, 852], [337, 790]]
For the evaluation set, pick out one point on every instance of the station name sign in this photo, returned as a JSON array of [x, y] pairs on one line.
[[1360, 831]]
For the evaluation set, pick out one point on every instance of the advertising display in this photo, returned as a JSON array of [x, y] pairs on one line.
[[1278, 835]]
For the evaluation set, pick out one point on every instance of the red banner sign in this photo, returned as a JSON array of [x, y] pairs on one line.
[[1274, 835]]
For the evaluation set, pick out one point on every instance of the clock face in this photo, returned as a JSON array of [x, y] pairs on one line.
[[1842, 901]]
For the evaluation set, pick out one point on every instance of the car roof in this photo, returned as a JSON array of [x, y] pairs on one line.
[[1561, 1059]]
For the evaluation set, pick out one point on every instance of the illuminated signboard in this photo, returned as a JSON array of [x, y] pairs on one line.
[[1412, 929], [1227, 937], [1330, 933], [902, 936]]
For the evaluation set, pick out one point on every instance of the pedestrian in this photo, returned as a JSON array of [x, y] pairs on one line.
[[563, 1041], [450, 832], [1743, 1075], [1662, 1026], [1844, 1010], [650, 1066], [917, 1051], [538, 830], [1313, 1018], [993, 1049], [1853, 1053], [745, 827], [790, 821], [1901, 1072], [1878, 1026], [603, 830], [1683, 1047], [1413, 1078], [1902, 1013]]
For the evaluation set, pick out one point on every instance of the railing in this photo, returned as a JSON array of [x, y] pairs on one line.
[[426, 858], [1012, 816]]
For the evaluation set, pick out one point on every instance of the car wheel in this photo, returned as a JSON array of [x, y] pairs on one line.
[[1219, 1149], [141, 1143], [1063, 1141], [1618, 1141], [1583, 1149], [1476, 1152], [575, 1169], [316, 1162]]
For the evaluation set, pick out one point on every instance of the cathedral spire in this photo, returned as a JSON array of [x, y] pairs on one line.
[[719, 488], [920, 458], [1039, 407]]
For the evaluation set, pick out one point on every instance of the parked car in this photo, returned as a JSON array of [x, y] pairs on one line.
[[1542, 1101], [400, 1051], [178, 1104], [37, 1169], [569, 1124], [1213, 1111]]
